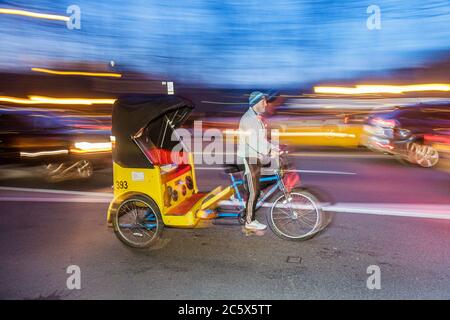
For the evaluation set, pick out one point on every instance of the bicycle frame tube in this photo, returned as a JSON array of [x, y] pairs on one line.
[[149, 215], [276, 177], [279, 185], [285, 192], [266, 195]]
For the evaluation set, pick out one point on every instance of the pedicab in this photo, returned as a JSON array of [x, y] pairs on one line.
[[153, 191]]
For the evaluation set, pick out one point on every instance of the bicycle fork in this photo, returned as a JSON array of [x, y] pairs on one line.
[[287, 196]]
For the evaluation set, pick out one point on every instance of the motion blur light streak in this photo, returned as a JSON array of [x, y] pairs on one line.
[[33, 14], [389, 123], [385, 146], [17, 100], [314, 134], [52, 100], [357, 103], [364, 89], [86, 101], [43, 153], [219, 102], [84, 147], [294, 134], [77, 73], [236, 132]]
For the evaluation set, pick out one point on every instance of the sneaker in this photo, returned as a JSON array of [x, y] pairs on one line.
[[255, 225]]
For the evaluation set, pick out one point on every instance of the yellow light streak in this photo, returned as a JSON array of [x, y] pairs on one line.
[[295, 134], [85, 147], [33, 14], [77, 73], [367, 89], [237, 132], [84, 101], [314, 134], [17, 100]]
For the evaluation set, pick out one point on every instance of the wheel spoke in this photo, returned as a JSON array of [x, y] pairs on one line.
[[308, 222], [281, 218], [284, 211], [425, 155], [131, 222], [306, 216]]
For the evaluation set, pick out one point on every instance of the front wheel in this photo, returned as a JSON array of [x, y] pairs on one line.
[[137, 222], [425, 155], [56, 172], [297, 217]]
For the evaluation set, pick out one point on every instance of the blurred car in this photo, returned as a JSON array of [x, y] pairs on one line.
[[401, 132], [324, 130], [295, 129], [63, 149]]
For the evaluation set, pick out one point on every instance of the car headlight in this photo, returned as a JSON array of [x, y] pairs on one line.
[[403, 133], [385, 123]]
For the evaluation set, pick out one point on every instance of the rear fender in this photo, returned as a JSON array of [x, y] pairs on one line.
[[115, 203]]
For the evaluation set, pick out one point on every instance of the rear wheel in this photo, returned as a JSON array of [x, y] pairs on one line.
[[137, 222], [297, 217]]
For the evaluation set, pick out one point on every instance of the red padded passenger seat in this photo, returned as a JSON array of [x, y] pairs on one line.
[[178, 171], [163, 157]]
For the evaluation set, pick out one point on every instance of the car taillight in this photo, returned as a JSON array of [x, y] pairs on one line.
[[387, 123]]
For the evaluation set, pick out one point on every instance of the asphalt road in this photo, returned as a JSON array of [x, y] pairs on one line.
[[42, 233]]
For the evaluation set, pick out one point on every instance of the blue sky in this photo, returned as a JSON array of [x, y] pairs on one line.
[[231, 43]]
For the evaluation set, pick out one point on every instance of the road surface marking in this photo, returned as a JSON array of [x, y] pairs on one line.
[[429, 211], [80, 193], [81, 199], [322, 171]]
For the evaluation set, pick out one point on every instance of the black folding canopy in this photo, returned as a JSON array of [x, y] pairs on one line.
[[156, 116]]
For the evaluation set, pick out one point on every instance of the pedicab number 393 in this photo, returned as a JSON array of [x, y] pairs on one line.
[[121, 184]]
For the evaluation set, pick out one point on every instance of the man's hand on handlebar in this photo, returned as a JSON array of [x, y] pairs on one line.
[[278, 151], [275, 152]]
